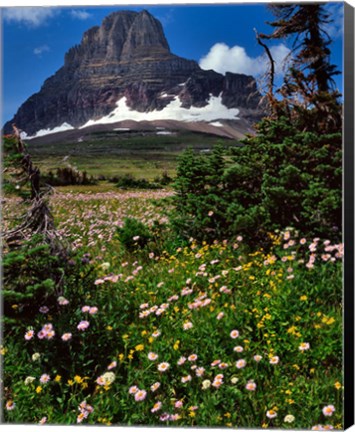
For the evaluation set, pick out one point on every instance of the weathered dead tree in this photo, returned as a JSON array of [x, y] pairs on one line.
[[38, 218]]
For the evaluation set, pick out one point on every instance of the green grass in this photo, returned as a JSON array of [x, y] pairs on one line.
[[111, 155]]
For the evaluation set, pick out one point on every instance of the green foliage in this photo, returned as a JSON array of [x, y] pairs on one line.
[[67, 176], [280, 177], [128, 181], [134, 234], [13, 181]]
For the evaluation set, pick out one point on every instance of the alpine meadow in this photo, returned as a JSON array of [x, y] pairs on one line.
[[172, 234]]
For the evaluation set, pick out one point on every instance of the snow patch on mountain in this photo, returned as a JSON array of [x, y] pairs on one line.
[[214, 110], [64, 127]]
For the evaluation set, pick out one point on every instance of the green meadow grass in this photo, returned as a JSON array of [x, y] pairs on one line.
[[102, 155]]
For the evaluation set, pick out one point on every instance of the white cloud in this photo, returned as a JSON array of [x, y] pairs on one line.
[[223, 58], [30, 16], [41, 49], [81, 15], [335, 29]]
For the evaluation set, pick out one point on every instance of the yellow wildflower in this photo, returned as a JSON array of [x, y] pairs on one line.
[[57, 378], [78, 379], [120, 357], [70, 382], [303, 298], [192, 414], [109, 328], [176, 345], [139, 347], [38, 389], [337, 385]]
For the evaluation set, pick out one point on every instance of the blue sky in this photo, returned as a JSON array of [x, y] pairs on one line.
[[219, 37]]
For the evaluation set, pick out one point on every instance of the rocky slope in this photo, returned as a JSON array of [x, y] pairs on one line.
[[129, 57]]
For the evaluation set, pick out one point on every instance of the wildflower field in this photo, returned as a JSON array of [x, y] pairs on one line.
[[149, 330]]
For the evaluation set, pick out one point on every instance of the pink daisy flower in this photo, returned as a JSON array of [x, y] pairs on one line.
[[181, 361], [251, 386], [155, 386], [234, 334], [192, 357], [186, 379], [179, 404], [271, 414], [156, 407], [152, 356], [200, 371], [133, 390], [140, 395], [223, 365], [240, 364], [304, 346], [29, 334], [10, 405], [162, 367], [44, 378], [328, 410], [83, 325], [66, 336], [112, 365]]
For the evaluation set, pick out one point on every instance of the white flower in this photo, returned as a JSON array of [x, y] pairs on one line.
[[29, 380], [206, 384], [36, 356], [106, 379], [289, 418], [271, 414], [304, 346]]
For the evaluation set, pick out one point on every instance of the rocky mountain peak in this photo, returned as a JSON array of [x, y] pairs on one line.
[[128, 57], [145, 38]]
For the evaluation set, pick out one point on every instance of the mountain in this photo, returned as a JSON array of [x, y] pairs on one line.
[[124, 70]]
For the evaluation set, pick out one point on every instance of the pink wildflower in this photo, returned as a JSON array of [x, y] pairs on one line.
[[44, 378], [29, 334], [140, 395], [83, 325]]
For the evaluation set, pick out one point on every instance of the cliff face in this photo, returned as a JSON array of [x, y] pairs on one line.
[[128, 55]]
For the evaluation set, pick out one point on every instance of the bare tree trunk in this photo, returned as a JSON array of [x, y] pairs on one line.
[[38, 219]]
